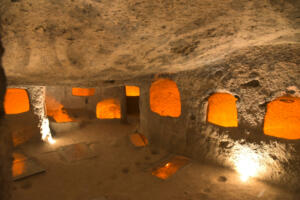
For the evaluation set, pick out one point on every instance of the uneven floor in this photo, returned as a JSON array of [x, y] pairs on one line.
[[117, 170]]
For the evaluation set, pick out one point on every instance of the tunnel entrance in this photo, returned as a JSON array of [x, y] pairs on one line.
[[132, 100]]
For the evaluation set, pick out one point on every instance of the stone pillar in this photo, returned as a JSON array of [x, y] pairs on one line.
[[5, 141]]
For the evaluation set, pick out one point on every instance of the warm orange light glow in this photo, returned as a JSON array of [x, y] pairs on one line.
[[18, 164], [132, 91], [16, 101], [283, 118], [171, 167], [138, 140], [165, 98], [222, 110], [56, 110], [108, 109], [83, 91]]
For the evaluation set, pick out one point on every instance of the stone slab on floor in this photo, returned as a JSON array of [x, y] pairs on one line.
[[76, 152], [24, 167], [170, 166]]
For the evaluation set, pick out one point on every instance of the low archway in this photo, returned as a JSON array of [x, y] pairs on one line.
[[165, 98], [222, 110]]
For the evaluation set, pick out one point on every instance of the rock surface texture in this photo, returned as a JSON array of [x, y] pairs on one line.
[[250, 49], [90, 41], [275, 72]]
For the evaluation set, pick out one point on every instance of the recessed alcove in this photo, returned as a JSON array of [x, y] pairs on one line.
[[165, 98], [16, 101], [282, 118], [85, 92], [19, 116], [108, 109], [222, 110]]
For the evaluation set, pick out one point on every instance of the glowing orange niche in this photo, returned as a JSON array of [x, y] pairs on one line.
[[165, 98], [16, 101], [83, 91], [108, 109], [283, 118], [171, 167], [56, 110], [132, 91], [222, 110]]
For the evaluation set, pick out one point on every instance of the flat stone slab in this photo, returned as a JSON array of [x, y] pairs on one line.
[[170, 167], [76, 152], [64, 126], [24, 167]]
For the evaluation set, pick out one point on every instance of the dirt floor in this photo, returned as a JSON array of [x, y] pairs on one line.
[[107, 166]]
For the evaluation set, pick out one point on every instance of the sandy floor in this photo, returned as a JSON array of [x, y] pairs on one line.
[[121, 171]]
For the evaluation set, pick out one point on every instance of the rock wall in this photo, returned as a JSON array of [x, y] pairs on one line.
[[255, 76], [5, 140]]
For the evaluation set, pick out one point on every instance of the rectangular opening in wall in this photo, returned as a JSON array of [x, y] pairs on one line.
[[132, 100]]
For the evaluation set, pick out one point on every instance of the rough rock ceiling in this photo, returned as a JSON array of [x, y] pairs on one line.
[[91, 41]]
